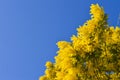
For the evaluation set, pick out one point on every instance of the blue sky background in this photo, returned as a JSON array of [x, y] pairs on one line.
[[29, 30]]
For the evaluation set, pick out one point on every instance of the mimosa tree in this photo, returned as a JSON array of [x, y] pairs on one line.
[[92, 54]]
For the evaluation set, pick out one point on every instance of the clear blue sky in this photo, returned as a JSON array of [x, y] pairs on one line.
[[29, 30]]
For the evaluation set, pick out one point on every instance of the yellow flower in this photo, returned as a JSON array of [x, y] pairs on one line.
[[62, 44], [93, 52], [43, 78], [49, 64], [97, 12]]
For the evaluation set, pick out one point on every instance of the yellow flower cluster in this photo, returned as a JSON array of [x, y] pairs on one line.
[[97, 12], [92, 54], [48, 64]]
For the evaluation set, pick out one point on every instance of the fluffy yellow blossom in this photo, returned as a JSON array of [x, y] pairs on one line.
[[49, 64], [92, 54], [97, 12], [43, 78], [62, 44]]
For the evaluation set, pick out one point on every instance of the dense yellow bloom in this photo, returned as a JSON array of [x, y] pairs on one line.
[[43, 78], [60, 75], [62, 44], [92, 54], [97, 12], [49, 64]]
